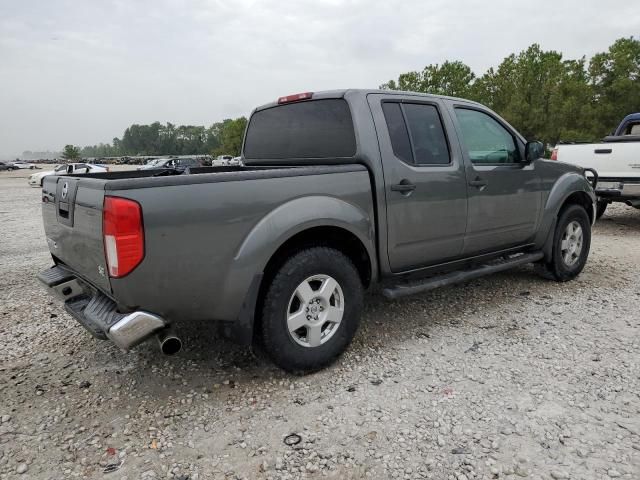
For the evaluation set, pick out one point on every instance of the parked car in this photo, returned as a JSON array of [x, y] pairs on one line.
[[23, 165], [36, 180], [6, 166], [179, 164], [616, 160], [221, 160], [340, 191]]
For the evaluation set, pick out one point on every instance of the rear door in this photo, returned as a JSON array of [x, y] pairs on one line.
[[504, 190], [425, 184]]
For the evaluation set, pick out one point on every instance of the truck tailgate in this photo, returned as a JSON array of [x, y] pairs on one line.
[[608, 159], [72, 215]]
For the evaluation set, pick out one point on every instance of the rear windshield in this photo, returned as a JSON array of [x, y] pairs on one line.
[[314, 129]]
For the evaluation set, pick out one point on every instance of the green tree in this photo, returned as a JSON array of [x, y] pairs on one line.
[[71, 153], [450, 78], [524, 89], [231, 135], [543, 95], [615, 79]]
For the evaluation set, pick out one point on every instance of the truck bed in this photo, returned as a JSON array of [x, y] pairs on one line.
[[198, 228]]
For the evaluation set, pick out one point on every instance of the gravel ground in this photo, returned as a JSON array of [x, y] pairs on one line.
[[509, 376]]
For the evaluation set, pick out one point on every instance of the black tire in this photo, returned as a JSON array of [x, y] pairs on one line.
[[279, 343], [601, 206], [558, 268]]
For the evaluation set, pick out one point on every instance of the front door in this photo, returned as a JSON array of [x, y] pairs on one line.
[[425, 186], [504, 190]]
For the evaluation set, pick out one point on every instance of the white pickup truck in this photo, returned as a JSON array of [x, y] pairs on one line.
[[616, 160]]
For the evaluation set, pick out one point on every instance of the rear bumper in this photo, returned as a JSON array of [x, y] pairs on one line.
[[618, 189], [98, 313]]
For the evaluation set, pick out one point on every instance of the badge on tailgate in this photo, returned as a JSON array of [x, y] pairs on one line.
[[65, 200]]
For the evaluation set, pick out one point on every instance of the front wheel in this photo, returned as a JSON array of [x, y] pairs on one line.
[[571, 244], [311, 309]]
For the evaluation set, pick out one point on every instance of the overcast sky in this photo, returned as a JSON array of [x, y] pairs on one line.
[[81, 71]]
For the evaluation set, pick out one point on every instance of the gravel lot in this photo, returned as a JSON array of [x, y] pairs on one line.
[[510, 376]]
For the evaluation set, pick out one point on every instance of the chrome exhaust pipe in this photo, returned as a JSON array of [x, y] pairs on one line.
[[169, 342]]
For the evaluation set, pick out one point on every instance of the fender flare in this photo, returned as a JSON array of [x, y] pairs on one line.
[[299, 215], [567, 185], [272, 231]]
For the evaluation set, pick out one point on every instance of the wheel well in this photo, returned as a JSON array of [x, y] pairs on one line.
[[334, 237], [582, 199]]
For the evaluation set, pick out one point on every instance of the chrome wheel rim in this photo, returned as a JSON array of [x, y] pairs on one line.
[[315, 311], [572, 243]]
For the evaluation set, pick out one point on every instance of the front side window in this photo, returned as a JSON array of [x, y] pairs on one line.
[[485, 139], [420, 140]]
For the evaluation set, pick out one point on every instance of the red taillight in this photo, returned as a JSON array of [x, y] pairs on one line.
[[554, 154], [123, 235], [295, 98]]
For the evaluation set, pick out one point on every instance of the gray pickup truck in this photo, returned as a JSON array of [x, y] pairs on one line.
[[340, 191]]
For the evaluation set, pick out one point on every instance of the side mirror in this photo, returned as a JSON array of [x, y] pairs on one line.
[[533, 151]]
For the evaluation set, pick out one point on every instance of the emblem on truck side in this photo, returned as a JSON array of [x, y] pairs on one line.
[[65, 190]]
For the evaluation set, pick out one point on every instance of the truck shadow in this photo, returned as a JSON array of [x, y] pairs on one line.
[[210, 362]]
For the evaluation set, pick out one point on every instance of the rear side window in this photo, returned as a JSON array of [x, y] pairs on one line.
[[416, 132], [313, 129], [398, 131]]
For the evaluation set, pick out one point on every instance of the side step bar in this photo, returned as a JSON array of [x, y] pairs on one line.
[[411, 288]]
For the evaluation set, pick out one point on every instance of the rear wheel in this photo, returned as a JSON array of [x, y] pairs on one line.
[[311, 309], [601, 206], [571, 243]]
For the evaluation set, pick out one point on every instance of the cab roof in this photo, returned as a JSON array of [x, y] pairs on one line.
[[342, 93]]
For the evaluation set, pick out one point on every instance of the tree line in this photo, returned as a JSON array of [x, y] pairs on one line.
[[543, 95], [168, 139]]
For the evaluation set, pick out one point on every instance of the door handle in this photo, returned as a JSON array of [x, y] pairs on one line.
[[603, 150], [478, 182], [405, 186]]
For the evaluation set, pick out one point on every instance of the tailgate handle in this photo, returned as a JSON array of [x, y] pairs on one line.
[[602, 150], [63, 210]]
